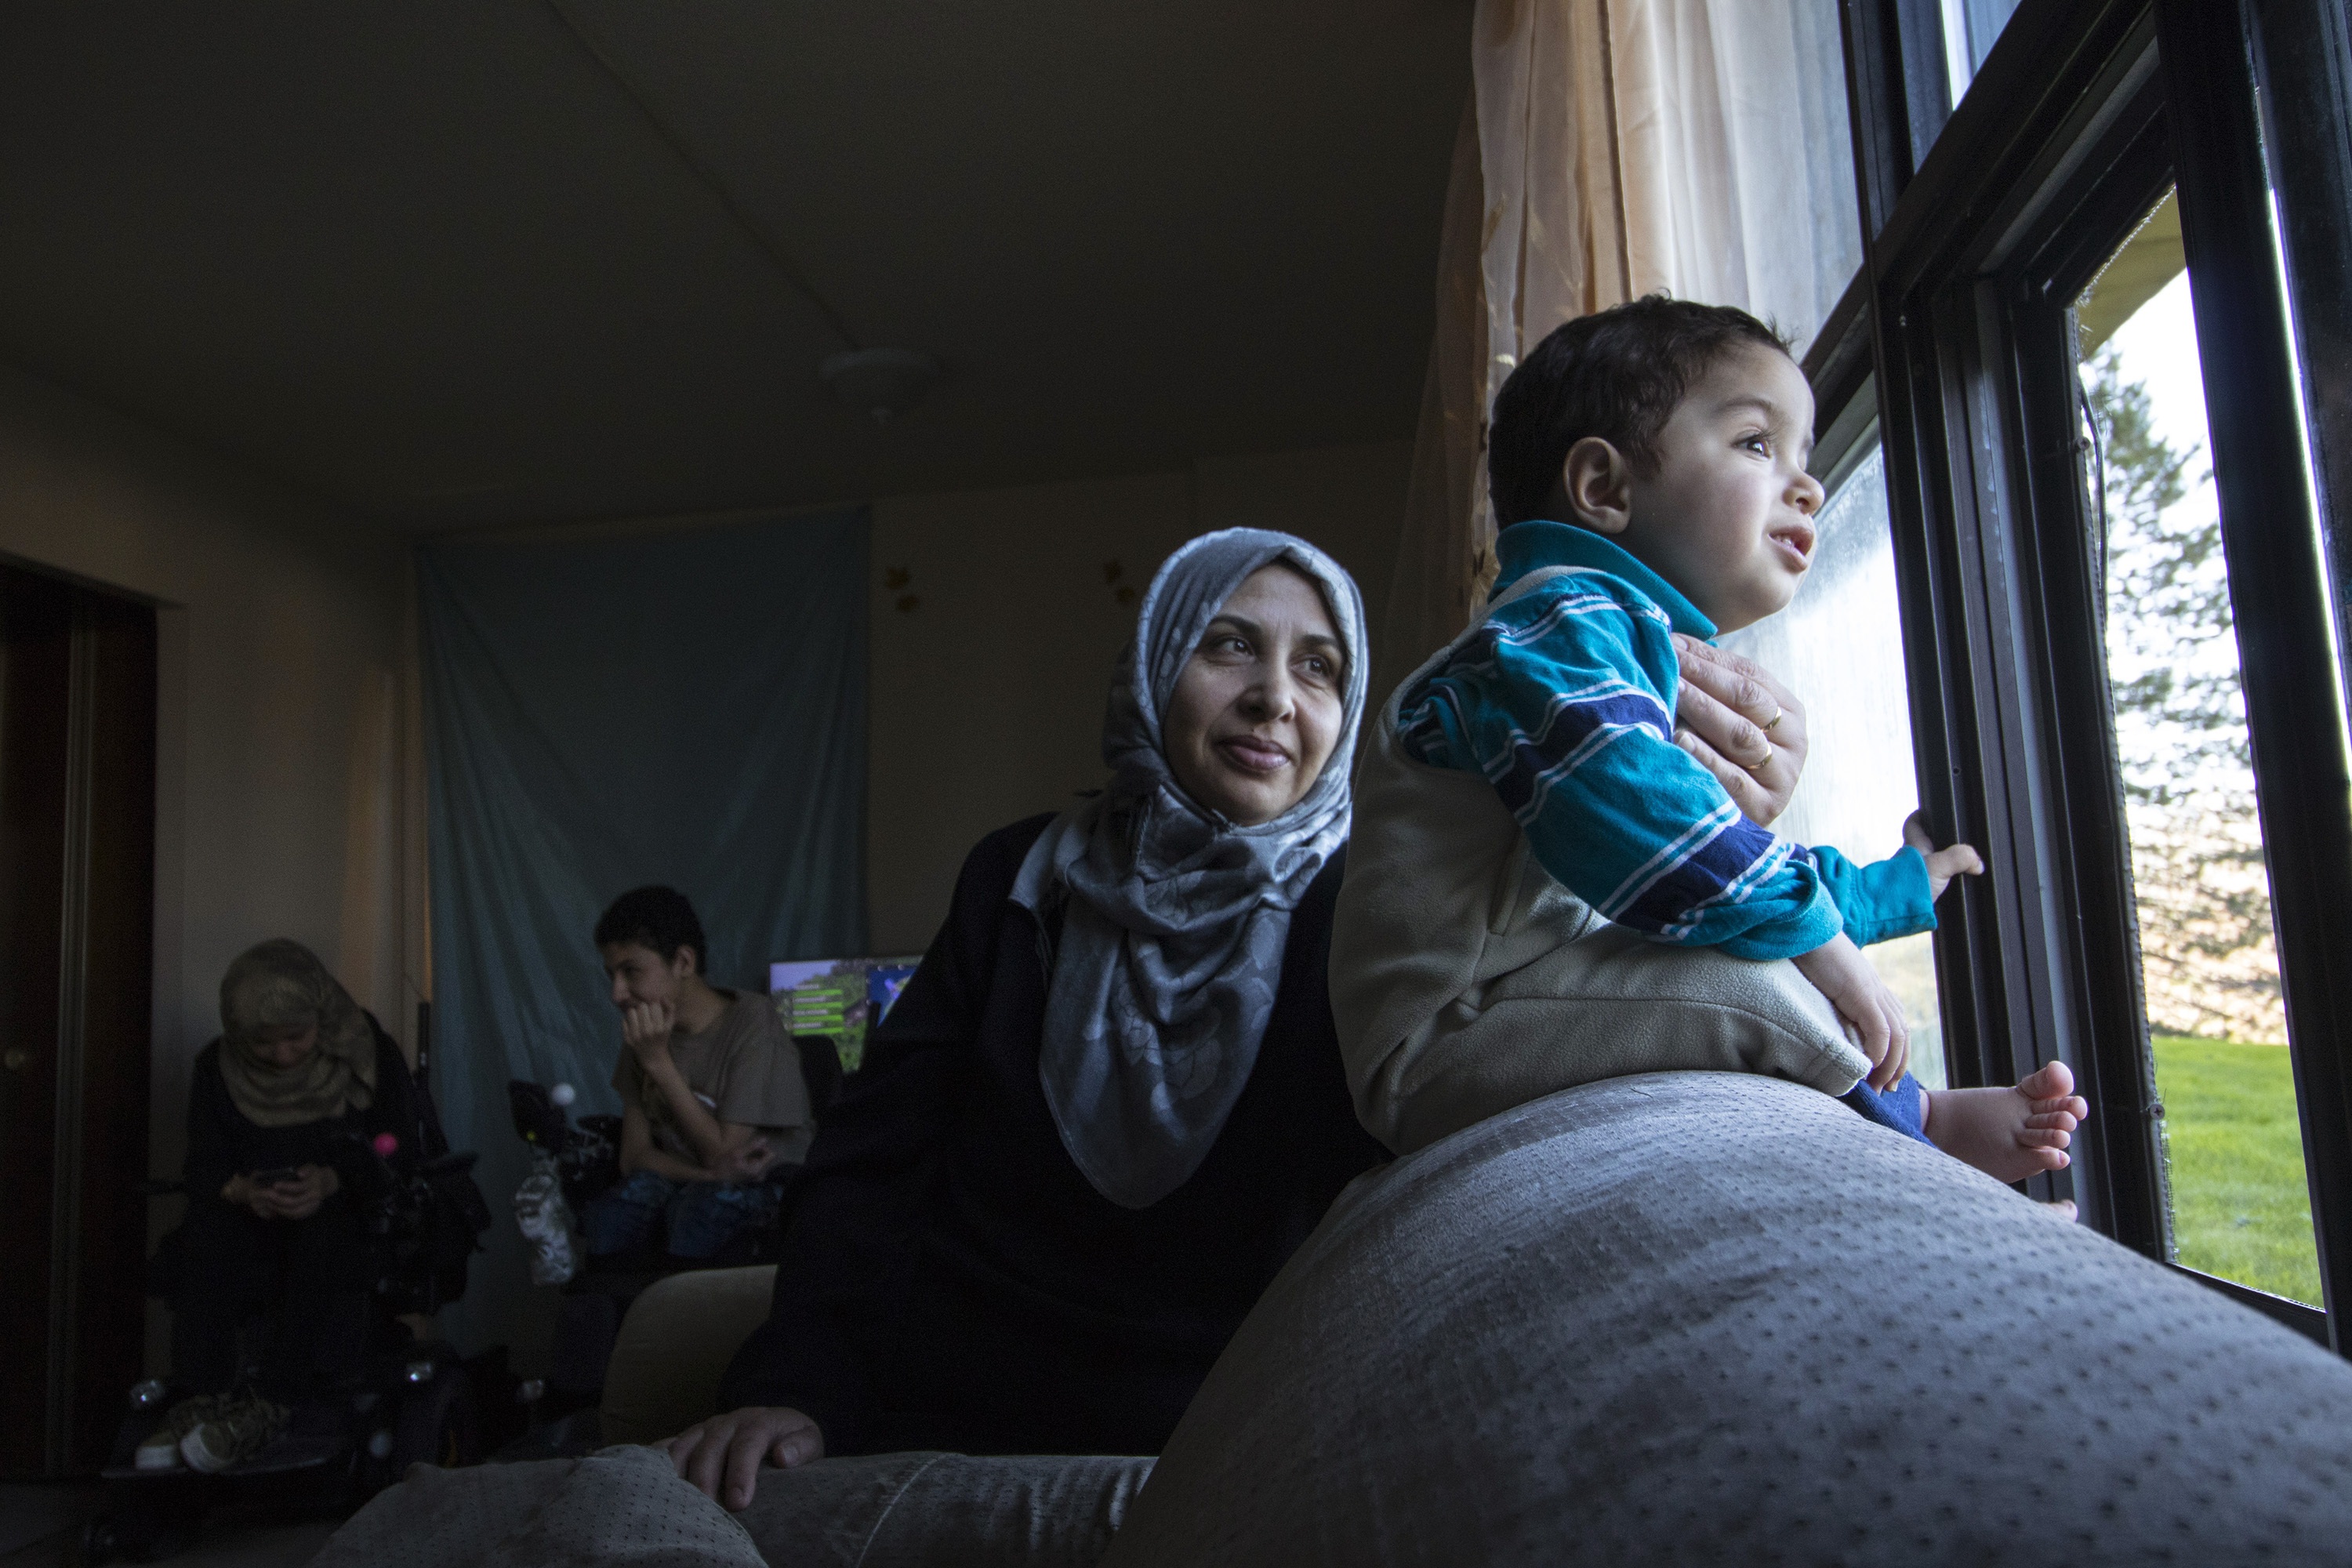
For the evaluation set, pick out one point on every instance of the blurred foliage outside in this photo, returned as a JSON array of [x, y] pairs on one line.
[[2209, 964]]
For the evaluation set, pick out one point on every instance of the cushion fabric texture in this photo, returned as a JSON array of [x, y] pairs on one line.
[[1717, 1318], [620, 1508], [626, 1508]]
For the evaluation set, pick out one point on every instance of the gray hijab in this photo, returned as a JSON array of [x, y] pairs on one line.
[[1174, 919]]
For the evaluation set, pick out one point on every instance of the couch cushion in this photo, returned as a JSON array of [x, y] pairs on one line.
[[673, 1347], [1717, 1318]]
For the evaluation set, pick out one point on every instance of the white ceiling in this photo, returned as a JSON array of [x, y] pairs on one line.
[[432, 259]]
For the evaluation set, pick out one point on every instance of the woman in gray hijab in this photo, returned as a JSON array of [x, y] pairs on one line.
[[1109, 1103]]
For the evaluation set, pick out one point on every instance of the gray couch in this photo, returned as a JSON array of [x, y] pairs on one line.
[[1685, 1318]]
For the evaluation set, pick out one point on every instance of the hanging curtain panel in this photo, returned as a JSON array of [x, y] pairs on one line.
[[1613, 148], [684, 707]]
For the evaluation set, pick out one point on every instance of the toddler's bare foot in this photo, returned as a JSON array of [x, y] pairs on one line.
[[2010, 1133]]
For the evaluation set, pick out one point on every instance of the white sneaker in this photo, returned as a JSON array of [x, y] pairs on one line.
[[159, 1452], [234, 1435]]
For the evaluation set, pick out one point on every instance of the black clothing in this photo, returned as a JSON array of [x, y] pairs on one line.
[[311, 1274], [228, 1263], [948, 1279], [223, 1142]]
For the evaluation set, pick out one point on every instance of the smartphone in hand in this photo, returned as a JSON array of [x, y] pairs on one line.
[[283, 1176]]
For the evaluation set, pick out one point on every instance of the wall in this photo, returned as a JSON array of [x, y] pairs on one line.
[[997, 616], [283, 780]]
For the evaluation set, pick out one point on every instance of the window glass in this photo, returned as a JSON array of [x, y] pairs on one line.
[[1970, 28], [2233, 1149], [1819, 196], [1839, 646]]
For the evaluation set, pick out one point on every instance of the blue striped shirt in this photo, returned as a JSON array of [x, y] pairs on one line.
[[1564, 700]]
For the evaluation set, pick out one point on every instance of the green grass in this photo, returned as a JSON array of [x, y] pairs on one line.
[[2239, 1208]]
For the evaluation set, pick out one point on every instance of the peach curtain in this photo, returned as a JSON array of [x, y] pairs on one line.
[[1612, 148]]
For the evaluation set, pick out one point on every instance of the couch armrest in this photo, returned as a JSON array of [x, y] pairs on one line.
[[673, 1347]]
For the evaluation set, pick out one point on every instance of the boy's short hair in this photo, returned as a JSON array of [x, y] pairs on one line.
[[658, 919], [1617, 373]]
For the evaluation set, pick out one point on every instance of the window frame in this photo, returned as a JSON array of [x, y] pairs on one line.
[[1982, 225]]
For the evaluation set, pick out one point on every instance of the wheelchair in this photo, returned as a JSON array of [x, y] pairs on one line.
[[581, 1161], [412, 1399]]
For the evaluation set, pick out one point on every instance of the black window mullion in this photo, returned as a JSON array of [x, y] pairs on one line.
[[2303, 53], [2281, 605], [1954, 629], [1900, 92], [2119, 1164]]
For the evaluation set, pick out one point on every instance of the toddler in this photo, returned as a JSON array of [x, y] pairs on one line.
[[1543, 888]]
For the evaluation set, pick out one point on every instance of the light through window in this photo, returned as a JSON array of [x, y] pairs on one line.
[[2233, 1149], [1839, 646]]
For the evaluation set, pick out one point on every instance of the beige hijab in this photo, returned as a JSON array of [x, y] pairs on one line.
[[278, 987]]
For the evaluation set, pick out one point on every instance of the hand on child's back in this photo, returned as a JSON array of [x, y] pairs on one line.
[[1838, 970], [1943, 865]]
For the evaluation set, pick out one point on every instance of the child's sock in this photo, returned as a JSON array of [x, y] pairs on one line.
[[1903, 1107]]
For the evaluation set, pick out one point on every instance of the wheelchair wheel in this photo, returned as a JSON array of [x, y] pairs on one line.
[[135, 1535]]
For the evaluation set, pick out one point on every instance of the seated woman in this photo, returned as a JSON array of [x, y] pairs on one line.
[[714, 1114], [298, 1085], [1108, 1104]]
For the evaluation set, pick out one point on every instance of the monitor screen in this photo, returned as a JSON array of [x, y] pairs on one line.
[[840, 998]]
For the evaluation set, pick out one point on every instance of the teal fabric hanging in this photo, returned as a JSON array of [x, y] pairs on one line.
[[684, 707]]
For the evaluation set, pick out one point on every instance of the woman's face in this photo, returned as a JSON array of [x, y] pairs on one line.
[[1258, 708], [283, 1049]]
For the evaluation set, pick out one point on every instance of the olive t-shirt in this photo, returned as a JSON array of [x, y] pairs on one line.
[[744, 1068]]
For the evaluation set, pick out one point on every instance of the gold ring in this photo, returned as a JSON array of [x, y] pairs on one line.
[[1778, 713]]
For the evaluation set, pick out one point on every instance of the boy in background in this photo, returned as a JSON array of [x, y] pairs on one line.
[[714, 1110]]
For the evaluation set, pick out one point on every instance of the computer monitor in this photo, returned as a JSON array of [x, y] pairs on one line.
[[839, 997]]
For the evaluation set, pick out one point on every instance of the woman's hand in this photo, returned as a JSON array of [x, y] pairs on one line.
[[728, 1449], [1748, 729], [296, 1199], [1943, 865], [243, 1192], [644, 1028], [1838, 972], [300, 1199]]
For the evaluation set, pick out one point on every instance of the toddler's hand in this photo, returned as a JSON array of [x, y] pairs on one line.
[[1838, 972], [1943, 865]]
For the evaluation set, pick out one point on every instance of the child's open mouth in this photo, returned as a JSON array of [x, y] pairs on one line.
[[1796, 544]]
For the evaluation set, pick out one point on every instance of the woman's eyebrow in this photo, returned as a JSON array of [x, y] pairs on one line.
[[1318, 639]]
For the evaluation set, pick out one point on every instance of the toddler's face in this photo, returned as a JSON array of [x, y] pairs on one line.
[[1728, 517]]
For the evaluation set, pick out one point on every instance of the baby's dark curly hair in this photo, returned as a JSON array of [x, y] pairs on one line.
[[1617, 373]]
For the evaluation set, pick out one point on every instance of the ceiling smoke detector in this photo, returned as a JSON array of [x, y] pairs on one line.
[[885, 383]]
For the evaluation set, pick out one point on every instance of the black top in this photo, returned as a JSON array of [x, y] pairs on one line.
[[224, 1142], [948, 1279]]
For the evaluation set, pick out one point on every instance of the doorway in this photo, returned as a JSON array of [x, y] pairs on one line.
[[77, 909]]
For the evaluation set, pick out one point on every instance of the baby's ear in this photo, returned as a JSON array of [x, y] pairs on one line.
[[1597, 483]]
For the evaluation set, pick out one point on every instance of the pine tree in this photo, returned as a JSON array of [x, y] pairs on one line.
[[2180, 730]]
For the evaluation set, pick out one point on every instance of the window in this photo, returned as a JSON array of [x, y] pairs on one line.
[[2125, 684], [1970, 27], [2236, 1198]]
